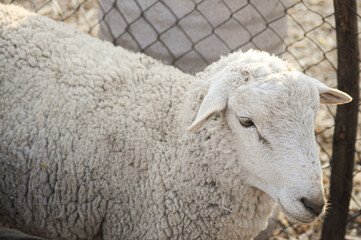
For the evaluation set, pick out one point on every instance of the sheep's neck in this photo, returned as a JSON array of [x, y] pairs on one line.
[[207, 182]]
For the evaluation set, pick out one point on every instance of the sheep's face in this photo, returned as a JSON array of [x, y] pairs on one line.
[[272, 116], [273, 122]]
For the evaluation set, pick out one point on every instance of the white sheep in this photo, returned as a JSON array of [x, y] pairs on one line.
[[94, 140]]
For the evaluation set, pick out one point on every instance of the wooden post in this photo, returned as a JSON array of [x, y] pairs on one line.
[[334, 226]]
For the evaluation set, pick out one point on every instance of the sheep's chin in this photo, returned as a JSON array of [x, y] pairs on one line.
[[301, 218]]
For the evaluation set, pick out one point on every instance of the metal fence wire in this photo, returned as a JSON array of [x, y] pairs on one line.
[[190, 34]]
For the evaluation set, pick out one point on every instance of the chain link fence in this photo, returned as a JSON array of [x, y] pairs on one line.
[[190, 34]]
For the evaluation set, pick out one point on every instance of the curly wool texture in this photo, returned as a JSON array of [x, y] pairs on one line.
[[93, 141]]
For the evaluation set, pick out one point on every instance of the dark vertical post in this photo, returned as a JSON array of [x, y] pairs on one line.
[[334, 226]]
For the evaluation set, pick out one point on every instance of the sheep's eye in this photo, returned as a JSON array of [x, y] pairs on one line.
[[246, 122]]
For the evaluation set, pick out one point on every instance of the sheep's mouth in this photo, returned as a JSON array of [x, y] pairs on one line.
[[292, 216]]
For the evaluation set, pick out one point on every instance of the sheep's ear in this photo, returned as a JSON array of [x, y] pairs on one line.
[[215, 101], [331, 95]]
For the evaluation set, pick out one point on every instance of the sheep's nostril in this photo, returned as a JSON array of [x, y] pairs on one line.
[[315, 207]]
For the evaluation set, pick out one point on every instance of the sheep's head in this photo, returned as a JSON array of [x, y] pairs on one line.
[[271, 110]]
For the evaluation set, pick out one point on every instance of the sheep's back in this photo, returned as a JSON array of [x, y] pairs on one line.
[[72, 109]]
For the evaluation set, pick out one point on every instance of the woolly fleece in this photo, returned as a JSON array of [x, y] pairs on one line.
[[93, 140]]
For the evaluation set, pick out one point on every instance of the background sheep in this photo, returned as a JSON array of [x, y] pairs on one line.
[[94, 139]]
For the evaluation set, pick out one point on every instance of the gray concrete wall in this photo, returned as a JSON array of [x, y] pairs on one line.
[[191, 34]]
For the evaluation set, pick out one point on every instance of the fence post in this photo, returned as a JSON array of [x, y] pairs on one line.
[[334, 226]]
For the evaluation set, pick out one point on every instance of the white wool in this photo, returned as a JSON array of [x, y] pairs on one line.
[[94, 140]]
